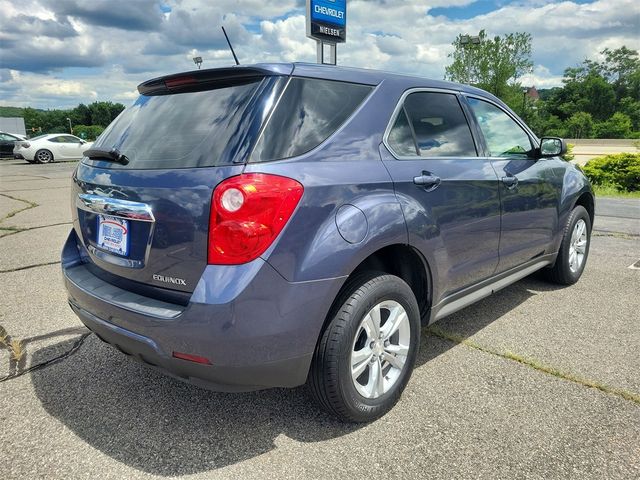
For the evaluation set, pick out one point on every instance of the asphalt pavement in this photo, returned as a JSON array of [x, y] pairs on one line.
[[535, 381]]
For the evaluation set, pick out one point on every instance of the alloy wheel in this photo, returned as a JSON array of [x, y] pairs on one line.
[[380, 349], [578, 246], [44, 156]]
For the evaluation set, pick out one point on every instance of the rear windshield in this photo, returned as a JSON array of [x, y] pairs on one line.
[[309, 111], [179, 130]]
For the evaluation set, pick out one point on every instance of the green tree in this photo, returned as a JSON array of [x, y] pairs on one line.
[[81, 115], [618, 126], [493, 64], [619, 66], [100, 114], [580, 125], [631, 108], [583, 91], [103, 113]]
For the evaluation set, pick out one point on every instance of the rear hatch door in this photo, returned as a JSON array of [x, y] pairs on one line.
[[143, 216]]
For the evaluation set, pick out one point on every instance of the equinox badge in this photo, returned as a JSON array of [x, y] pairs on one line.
[[174, 280]]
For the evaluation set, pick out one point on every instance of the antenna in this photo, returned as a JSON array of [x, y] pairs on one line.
[[230, 47]]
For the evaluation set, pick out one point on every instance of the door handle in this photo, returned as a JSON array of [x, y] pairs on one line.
[[427, 180], [511, 181]]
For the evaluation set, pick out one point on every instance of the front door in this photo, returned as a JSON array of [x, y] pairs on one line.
[[71, 147], [529, 196], [448, 193]]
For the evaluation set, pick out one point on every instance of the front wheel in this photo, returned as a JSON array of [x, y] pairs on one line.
[[367, 352], [574, 249]]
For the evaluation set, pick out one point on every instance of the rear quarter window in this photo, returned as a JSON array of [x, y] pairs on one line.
[[309, 111]]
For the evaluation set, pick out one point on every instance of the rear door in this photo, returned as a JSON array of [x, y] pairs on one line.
[[449, 194], [527, 187], [145, 223]]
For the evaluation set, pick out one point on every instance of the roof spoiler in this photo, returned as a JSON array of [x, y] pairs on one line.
[[203, 80]]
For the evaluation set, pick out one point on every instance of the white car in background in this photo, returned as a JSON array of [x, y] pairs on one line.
[[51, 147]]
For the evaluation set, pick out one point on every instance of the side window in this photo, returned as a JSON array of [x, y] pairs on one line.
[[503, 135], [69, 139], [309, 111], [437, 126], [56, 139]]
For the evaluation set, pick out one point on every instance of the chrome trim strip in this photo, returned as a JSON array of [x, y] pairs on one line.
[[115, 207], [456, 302]]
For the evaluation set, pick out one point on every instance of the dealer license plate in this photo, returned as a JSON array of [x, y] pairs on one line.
[[113, 234]]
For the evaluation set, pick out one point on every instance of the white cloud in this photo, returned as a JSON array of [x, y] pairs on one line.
[[98, 61]]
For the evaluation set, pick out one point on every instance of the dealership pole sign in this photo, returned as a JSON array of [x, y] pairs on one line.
[[327, 25]]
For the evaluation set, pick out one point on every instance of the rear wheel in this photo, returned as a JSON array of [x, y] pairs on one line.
[[574, 249], [43, 156], [367, 352]]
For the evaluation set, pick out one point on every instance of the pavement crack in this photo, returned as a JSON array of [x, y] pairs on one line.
[[14, 230], [31, 189], [29, 205], [29, 266], [18, 351], [534, 364], [609, 233]]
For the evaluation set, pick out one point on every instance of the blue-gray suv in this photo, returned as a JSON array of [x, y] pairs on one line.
[[280, 224]]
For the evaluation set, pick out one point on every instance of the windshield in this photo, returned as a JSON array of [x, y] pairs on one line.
[[178, 130]]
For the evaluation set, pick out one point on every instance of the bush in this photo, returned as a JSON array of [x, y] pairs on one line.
[[621, 170], [88, 132], [567, 157]]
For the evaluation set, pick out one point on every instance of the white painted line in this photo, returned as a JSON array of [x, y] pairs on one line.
[[635, 266]]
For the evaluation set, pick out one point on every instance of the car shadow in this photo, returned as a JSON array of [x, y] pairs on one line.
[[162, 426], [468, 321]]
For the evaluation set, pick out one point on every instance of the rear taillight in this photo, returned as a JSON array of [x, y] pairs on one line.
[[247, 214]]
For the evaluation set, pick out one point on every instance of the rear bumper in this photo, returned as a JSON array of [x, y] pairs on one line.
[[285, 373], [257, 329]]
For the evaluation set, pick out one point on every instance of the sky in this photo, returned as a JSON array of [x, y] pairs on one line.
[[59, 53]]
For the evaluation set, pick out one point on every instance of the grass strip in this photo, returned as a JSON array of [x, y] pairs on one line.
[[535, 364]]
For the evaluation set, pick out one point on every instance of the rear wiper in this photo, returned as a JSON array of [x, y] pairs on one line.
[[112, 155]]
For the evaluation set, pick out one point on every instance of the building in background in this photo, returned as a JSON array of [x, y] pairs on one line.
[[12, 125], [532, 94]]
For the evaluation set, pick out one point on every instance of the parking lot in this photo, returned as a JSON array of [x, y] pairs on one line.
[[536, 381]]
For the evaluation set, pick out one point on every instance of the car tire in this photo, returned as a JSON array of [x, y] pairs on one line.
[[574, 249], [346, 344], [43, 156]]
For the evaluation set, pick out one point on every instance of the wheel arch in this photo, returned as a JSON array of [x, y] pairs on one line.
[[400, 260], [587, 200]]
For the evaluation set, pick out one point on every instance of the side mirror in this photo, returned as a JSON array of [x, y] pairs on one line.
[[552, 147]]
